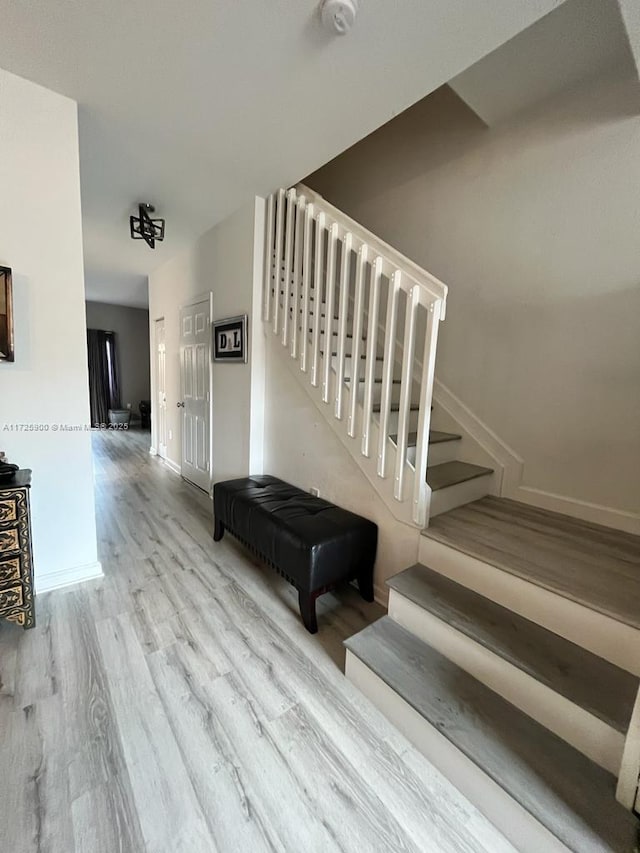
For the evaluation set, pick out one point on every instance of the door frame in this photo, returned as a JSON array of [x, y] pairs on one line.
[[153, 338], [155, 437], [193, 300]]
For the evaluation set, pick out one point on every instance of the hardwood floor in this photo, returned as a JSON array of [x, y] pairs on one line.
[[179, 706]]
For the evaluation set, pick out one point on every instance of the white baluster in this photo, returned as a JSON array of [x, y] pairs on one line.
[[421, 490], [302, 284], [387, 369], [343, 312], [372, 352], [268, 258], [306, 286], [406, 388], [297, 272], [330, 290], [317, 297], [277, 265], [356, 343], [288, 259]]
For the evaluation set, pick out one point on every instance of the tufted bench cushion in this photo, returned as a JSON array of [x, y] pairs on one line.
[[310, 541]]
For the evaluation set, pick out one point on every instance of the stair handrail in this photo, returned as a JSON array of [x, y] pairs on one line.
[[438, 289]]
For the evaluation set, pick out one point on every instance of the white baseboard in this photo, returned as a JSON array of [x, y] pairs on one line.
[[595, 513], [67, 577], [172, 466], [153, 451], [381, 594]]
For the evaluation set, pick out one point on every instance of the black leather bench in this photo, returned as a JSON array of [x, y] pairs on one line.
[[311, 542]]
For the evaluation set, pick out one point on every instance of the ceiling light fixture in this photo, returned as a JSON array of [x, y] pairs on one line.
[[338, 16], [143, 227]]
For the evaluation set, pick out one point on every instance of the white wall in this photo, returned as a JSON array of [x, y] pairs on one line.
[[131, 327], [535, 227], [41, 240], [227, 261], [302, 449]]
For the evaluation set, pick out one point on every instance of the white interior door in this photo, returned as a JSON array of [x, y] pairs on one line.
[[161, 385], [195, 322]]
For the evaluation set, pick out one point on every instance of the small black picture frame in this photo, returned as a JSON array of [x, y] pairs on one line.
[[230, 340]]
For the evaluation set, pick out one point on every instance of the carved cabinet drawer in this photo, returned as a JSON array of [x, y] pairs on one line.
[[16, 564], [10, 598], [9, 540], [10, 569], [9, 509]]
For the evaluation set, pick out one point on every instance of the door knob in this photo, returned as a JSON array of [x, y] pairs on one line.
[[180, 405]]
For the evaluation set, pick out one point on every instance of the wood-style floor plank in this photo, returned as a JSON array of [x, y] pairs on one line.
[[178, 703], [170, 815]]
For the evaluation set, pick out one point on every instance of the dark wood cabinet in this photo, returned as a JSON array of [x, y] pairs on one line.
[[16, 562]]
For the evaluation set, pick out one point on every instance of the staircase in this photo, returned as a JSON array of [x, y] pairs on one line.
[[510, 654], [361, 323]]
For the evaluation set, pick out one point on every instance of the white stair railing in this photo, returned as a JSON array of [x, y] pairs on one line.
[[337, 295]]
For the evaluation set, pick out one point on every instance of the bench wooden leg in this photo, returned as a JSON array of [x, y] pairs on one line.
[[218, 530], [307, 601], [365, 585]]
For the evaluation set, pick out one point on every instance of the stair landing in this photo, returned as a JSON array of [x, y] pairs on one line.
[[595, 566]]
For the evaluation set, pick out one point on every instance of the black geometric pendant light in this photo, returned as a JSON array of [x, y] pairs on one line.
[[143, 227]]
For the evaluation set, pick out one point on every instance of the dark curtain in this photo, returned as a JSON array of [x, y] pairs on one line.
[[104, 388]]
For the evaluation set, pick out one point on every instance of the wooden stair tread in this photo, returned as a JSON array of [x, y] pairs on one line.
[[348, 355], [562, 789], [395, 407], [590, 682], [335, 332], [596, 566], [435, 437], [376, 382], [451, 473]]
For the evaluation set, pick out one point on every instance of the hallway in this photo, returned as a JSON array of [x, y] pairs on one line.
[[179, 706]]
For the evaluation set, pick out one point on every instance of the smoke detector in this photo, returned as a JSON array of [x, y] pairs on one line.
[[338, 16]]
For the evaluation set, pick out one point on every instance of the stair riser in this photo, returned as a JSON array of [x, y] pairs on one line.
[[377, 392], [333, 338], [462, 493], [394, 418], [606, 637], [587, 733], [517, 825], [334, 325], [348, 368], [443, 451], [377, 388], [627, 791]]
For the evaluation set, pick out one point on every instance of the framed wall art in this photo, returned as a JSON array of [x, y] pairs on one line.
[[6, 315], [230, 340]]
